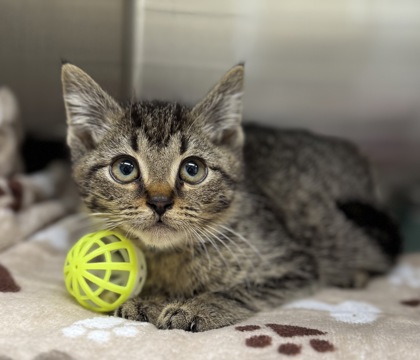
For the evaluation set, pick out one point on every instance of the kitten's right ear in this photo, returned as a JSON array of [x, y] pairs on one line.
[[90, 110], [220, 112]]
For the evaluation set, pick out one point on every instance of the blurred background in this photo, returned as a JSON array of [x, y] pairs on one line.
[[341, 67]]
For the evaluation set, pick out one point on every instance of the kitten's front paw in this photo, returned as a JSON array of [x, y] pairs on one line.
[[177, 316], [202, 313], [143, 310]]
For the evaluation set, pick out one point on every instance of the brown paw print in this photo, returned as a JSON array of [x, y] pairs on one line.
[[286, 331], [7, 283], [289, 349], [411, 302]]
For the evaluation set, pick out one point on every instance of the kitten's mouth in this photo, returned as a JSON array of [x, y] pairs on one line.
[[160, 225], [160, 234]]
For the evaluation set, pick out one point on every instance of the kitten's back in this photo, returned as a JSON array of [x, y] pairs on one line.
[[319, 163], [318, 186]]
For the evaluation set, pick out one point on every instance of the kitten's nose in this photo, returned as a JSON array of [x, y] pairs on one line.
[[160, 204]]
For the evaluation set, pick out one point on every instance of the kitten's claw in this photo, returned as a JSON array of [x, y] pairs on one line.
[[139, 310], [176, 316], [131, 310], [202, 313]]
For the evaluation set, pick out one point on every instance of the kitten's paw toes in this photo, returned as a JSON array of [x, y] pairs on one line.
[[132, 309], [175, 316]]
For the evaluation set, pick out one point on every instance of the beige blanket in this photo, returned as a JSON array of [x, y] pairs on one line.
[[39, 320]]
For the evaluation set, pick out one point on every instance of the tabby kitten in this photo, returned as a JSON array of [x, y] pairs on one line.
[[232, 220]]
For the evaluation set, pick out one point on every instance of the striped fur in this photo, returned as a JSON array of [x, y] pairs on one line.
[[262, 228]]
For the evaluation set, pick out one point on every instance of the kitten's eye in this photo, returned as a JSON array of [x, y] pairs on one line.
[[193, 171], [124, 170]]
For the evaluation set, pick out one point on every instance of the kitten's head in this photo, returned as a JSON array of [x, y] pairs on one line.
[[162, 172]]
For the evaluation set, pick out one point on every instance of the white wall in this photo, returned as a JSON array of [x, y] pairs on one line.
[[36, 34], [346, 67]]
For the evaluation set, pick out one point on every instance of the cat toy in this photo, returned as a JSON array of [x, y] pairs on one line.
[[104, 269]]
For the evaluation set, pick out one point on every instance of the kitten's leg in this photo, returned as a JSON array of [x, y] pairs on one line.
[[208, 311], [328, 201], [348, 255], [203, 312], [296, 277]]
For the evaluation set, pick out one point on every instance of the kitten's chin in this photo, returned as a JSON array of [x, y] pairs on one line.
[[161, 236]]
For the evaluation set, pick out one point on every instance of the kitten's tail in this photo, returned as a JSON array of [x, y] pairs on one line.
[[376, 223]]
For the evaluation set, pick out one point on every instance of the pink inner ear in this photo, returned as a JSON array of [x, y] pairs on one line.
[[232, 136]]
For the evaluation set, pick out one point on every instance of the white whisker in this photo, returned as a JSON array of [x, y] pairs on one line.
[[214, 245], [203, 245], [246, 241], [216, 237]]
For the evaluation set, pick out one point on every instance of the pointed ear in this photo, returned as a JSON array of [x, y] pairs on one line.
[[90, 110], [220, 112]]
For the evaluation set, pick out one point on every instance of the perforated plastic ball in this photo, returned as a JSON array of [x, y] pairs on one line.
[[104, 269]]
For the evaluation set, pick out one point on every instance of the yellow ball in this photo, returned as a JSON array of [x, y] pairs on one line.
[[103, 270]]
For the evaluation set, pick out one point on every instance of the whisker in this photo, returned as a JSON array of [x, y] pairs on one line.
[[81, 224], [227, 238], [203, 245], [214, 245], [216, 237], [246, 241]]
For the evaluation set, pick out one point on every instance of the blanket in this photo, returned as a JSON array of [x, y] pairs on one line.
[[39, 319]]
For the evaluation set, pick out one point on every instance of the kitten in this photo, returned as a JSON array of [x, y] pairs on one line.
[[232, 220]]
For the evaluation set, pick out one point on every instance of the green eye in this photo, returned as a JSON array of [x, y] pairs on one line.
[[124, 170], [193, 171]]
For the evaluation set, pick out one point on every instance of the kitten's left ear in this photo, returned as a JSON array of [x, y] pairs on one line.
[[220, 112], [90, 110]]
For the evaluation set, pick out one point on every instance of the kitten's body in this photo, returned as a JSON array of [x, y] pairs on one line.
[[271, 220]]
